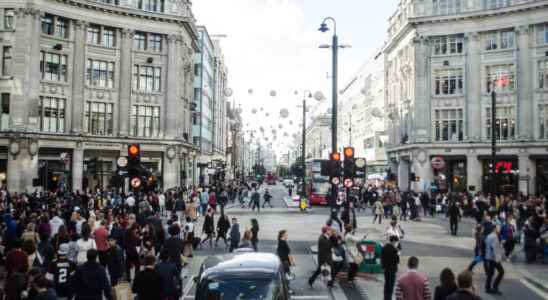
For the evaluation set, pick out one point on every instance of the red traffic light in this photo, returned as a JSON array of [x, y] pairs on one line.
[[349, 152], [133, 150], [336, 156]]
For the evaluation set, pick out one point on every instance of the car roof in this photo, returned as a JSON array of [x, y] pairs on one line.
[[216, 265]]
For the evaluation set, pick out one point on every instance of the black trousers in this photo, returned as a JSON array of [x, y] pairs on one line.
[[491, 267], [233, 245], [352, 272], [454, 226], [389, 282], [319, 271]]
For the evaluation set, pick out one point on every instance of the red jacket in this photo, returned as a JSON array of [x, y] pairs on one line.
[[413, 286], [17, 261]]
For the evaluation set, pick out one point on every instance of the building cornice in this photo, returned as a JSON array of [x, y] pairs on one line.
[[187, 23]]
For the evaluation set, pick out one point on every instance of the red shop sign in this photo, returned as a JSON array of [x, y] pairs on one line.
[[438, 163]]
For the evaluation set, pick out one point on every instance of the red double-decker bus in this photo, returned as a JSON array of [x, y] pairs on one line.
[[317, 186]]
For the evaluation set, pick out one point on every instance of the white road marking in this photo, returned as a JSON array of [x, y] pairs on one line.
[[304, 297], [534, 289]]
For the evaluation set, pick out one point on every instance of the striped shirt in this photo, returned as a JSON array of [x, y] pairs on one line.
[[413, 286]]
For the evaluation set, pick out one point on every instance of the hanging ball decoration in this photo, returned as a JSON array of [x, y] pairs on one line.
[[280, 126], [250, 91], [228, 92], [254, 111], [284, 113], [239, 111], [296, 92], [290, 122], [261, 129], [267, 114], [273, 93], [286, 134], [261, 109]]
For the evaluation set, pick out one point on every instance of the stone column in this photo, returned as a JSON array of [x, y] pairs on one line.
[[22, 168], [527, 171], [77, 168], [171, 172], [173, 100], [25, 66], [126, 71], [403, 175], [78, 76], [524, 101], [473, 170], [424, 171], [420, 129], [472, 87]]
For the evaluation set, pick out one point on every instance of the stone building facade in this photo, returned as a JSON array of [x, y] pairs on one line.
[[441, 59], [81, 79]]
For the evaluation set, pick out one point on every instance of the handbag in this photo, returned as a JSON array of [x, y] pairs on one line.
[[122, 291], [336, 255], [358, 258]]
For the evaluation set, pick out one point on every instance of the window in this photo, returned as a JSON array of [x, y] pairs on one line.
[[543, 74], [491, 41], [448, 125], [145, 121], [504, 73], [451, 44], [504, 123], [52, 114], [100, 73], [197, 69], [543, 121], [98, 118], [61, 28], [152, 5], [140, 41], [9, 15], [507, 39], [448, 82], [494, 4], [53, 66], [542, 34], [446, 7], [93, 36], [108, 39], [5, 111], [6, 61], [155, 42], [147, 78], [47, 24]]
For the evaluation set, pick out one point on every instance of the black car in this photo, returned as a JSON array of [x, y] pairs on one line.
[[239, 276]]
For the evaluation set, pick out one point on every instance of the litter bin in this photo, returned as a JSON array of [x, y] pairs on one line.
[[371, 252]]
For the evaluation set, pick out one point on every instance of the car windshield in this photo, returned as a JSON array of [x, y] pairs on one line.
[[242, 289]]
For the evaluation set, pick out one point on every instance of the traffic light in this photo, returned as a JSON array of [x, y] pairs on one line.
[[133, 160], [335, 165], [349, 163]]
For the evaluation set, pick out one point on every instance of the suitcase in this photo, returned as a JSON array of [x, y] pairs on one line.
[[196, 243]]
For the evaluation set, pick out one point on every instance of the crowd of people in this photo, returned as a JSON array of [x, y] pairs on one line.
[[81, 245]]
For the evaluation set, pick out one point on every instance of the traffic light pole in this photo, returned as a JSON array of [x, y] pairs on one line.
[[303, 188]]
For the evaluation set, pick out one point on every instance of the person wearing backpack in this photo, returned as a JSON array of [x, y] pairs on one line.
[[84, 244]]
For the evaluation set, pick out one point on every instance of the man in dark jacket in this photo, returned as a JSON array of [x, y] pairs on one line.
[[466, 289], [90, 281], [234, 235], [324, 256], [454, 216], [390, 260], [174, 246], [169, 275], [148, 283]]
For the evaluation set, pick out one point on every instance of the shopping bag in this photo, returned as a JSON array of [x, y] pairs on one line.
[[122, 291]]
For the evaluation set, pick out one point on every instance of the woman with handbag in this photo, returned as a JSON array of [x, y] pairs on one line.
[[353, 256], [284, 252]]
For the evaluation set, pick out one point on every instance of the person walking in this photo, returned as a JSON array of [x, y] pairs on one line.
[[390, 260], [209, 228], [170, 279], [413, 285], [284, 253], [325, 257], [466, 289], [223, 226], [447, 285], [267, 197], [148, 283], [84, 244], [61, 271], [234, 235], [90, 280], [353, 256], [378, 210], [454, 215], [493, 260], [255, 199], [255, 234]]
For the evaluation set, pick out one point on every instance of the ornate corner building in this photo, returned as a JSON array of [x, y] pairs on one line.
[[81, 79], [441, 59]]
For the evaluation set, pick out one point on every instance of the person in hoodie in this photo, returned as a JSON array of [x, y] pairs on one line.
[[90, 281], [234, 235], [11, 231]]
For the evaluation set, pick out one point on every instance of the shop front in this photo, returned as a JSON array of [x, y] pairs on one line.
[[54, 169], [3, 166], [541, 180], [506, 174], [449, 173]]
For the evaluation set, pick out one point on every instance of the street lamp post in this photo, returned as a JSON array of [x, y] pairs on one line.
[[303, 149]]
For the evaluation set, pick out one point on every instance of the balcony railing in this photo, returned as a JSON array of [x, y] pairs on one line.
[[430, 8]]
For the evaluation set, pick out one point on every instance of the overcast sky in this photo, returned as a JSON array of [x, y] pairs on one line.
[[272, 45]]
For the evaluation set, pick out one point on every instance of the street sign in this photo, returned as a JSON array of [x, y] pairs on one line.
[[135, 182], [438, 163], [348, 182], [122, 161], [122, 173], [360, 162]]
